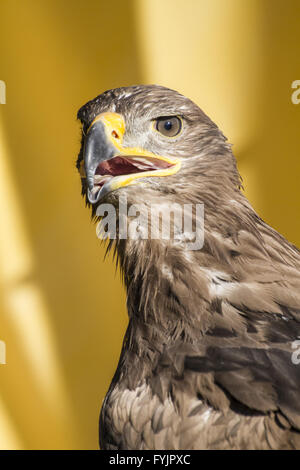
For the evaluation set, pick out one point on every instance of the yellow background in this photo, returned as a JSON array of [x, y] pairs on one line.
[[62, 309]]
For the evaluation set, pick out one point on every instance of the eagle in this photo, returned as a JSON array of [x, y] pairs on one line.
[[211, 355]]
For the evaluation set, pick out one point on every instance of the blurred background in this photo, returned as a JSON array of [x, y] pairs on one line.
[[62, 308]]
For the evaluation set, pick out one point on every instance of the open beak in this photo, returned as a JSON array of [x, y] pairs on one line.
[[108, 166]]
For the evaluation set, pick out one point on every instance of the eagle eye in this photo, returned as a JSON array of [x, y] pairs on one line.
[[168, 126]]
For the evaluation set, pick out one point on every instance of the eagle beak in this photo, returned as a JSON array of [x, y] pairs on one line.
[[97, 149], [108, 165]]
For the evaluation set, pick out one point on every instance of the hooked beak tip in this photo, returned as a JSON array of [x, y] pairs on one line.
[[93, 197]]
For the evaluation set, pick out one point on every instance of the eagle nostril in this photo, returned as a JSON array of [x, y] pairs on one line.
[[115, 135]]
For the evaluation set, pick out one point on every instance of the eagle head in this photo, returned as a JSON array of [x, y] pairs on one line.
[[150, 142]]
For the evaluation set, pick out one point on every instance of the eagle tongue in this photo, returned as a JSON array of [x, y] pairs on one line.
[[119, 166]]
